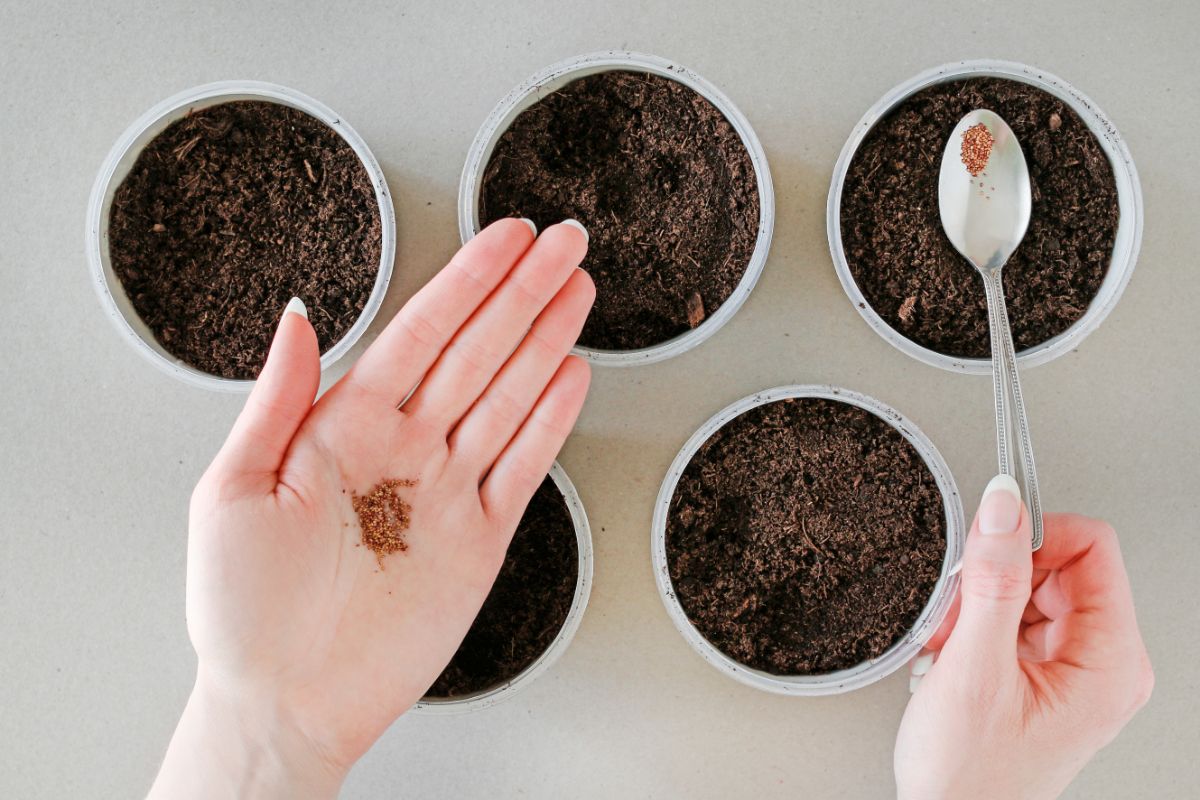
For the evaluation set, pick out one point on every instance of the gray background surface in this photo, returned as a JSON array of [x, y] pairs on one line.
[[100, 451]]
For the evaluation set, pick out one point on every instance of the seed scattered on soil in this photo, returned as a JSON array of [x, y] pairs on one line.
[[977, 143], [384, 516]]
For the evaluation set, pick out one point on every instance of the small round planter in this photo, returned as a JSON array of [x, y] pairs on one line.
[[556, 76], [583, 589], [867, 672], [1129, 199], [120, 160]]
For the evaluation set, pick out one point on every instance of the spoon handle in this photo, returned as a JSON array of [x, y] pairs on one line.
[[1010, 404]]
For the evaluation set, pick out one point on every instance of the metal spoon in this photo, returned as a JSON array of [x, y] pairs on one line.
[[985, 217]]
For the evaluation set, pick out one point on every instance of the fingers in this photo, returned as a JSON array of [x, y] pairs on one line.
[[1087, 556], [1036, 643], [996, 577], [1088, 592], [279, 402], [487, 340], [1048, 599], [506, 403], [524, 463], [416, 336]]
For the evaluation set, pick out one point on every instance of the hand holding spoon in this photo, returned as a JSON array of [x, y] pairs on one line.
[[984, 198]]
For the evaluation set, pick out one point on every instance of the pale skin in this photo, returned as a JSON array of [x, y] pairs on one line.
[[308, 649], [1039, 665]]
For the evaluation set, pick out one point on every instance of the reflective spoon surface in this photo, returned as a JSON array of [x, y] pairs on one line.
[[985, 217]]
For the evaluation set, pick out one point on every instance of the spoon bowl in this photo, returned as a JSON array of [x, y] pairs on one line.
[[985, 215]]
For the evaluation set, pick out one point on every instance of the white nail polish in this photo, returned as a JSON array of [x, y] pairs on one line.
[[921, 664], [532, 225], [913, 683], [1002, 483], [578, 225], [296, 306], [1000, 508]]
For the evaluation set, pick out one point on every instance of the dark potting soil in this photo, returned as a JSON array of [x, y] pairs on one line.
[[528, 603], [906, 267], [229, 213], [659, 178], [805, 536]]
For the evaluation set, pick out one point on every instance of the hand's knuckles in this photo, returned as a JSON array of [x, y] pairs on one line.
[[463, 269], [529, 292], [1105, 534], [541, 340], [505, 407], [523, 473], [474, 355], [996, 580], [420, 329], [552, 425]]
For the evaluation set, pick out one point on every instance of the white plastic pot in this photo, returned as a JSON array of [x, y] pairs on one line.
[[867, 672], [120, 160], [556, 76], [1126, 244]]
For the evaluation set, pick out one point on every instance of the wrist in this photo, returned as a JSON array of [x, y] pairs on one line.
[[235, 743]]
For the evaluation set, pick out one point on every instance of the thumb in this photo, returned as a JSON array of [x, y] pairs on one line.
[[996, 578], [281, 399]]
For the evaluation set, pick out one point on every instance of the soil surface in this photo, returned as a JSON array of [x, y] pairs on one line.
[[228, 214], [659, 178], [805, 536], [527, 605], [906, 267]]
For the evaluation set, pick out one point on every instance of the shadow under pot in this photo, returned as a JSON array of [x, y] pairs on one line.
[[806, 540], [533, 610], [664, 172], [902, 273], [221, 204]]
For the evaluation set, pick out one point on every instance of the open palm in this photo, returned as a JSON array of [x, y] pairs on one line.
[[283, 600]]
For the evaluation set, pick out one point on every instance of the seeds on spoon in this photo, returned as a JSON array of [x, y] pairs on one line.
[[977, 148]]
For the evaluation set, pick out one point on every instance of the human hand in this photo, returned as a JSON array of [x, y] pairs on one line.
[[308, 646], [1040, 663]]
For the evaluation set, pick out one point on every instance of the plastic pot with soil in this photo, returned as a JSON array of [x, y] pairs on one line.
[[664, 172], [533, 610], [806, 540], [218, 206], [895, 261]]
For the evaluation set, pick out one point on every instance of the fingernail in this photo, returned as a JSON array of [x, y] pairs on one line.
[[921, 664], [296, 306], [913, 682], [1000, 509], [532, 225], [577, 224]]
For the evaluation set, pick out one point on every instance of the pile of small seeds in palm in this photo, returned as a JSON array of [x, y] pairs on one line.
[[383, 516]]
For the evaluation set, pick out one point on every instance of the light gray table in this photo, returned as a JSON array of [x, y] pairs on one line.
[[100, 451]]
